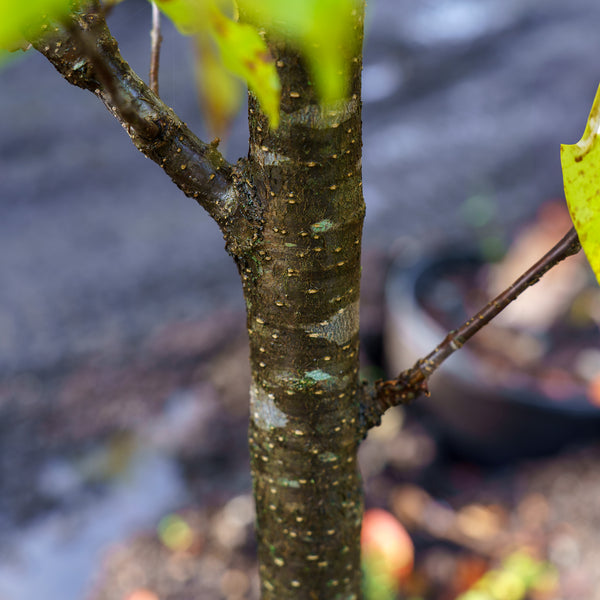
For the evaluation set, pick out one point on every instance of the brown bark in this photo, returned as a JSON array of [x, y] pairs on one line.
[[302, 291]]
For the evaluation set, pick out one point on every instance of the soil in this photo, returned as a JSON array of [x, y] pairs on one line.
[[96, 415]]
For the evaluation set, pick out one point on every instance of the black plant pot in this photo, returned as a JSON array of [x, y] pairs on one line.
[[485, 423]]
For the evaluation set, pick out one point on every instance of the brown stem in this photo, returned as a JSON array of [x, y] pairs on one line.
[[156, 37], [413, 382], [127, 111]]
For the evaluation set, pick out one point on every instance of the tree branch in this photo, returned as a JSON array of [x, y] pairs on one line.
[[413, 382], [87, 56]]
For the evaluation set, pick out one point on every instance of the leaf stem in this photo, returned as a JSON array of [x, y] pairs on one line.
[[156, 37]]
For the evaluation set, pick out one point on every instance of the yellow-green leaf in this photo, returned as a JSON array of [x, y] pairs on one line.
[[19, 15], [242, 50], [189, 16], [581, 177], [323, 30], [219, 91], [245, 53]]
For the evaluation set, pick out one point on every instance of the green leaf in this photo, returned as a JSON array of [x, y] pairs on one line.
[[581, 177], [323, 30], [18, 15], [242, 50], [189, 16]]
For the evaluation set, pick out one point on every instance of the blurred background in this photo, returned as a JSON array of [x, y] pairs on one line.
[[123, 376]]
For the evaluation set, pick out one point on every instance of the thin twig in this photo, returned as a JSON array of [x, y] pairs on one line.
[[156, 37], [567, 246], [413, 382]]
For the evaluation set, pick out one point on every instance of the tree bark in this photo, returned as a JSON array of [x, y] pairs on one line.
[[301, 285]]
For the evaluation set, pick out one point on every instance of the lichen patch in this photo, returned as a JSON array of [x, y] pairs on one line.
[[263, 409], [321, 226], [318, 375], [340, 328]]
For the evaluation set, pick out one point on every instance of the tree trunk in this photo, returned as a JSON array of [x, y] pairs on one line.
[[301, 284]]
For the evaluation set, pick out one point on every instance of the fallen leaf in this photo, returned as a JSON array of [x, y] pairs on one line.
[[385, 542], [593, 391], [142, 594]]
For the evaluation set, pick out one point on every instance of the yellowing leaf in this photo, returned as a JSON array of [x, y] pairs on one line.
[[323, 30], [242, 50], [581, 178], [18, 15], [245, 53], [189, 16], [220, 92]]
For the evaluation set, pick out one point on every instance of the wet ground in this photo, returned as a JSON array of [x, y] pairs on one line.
[[113, 374]]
